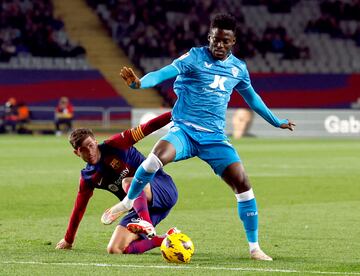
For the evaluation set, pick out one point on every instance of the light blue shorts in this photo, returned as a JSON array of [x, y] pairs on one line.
[[214, 149]]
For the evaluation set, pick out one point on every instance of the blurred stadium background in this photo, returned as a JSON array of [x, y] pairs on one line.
[[304, 61], [303, 57]]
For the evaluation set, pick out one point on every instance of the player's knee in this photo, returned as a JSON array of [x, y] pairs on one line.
[[236, 177], [152, 163], [243, 179], [148, 192], [111, 249], [125, 183]]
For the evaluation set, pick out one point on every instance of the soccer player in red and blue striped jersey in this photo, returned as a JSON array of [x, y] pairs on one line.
[[111, 166]]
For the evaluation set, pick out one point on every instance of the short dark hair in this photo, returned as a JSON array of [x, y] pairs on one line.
[[224, 21], [78, 136]]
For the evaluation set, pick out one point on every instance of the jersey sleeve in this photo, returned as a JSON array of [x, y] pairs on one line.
[[256, 103], [154, 78], [84, 194], [245, 81], [129, 137], [185, 63]]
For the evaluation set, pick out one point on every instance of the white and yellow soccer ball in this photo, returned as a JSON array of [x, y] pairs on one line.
[[177, 248]]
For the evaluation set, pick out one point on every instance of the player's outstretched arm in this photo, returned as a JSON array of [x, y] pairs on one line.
[[63, 244], [77, 214], [256, 103], [149, 80], [131, 136]]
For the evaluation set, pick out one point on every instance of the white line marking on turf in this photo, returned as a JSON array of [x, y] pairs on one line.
[[184, 267]]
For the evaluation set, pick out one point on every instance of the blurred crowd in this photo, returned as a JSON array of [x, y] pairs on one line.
[[30, 27], [163, 28], [332, 13], [273, 6]]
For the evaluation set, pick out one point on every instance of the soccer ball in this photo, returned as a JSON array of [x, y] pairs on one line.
[[177, 248]]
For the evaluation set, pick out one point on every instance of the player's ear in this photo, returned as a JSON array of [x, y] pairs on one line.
[[76, 152]]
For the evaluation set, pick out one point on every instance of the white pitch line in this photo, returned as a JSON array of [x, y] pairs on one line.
[[184, 267]]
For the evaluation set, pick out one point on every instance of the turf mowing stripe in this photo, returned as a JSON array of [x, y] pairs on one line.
[[183, 267]]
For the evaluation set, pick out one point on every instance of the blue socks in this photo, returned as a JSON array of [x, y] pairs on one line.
[[247, 211], [141, 178]]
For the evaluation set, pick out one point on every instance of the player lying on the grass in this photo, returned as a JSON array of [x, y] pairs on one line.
[[110, 166], [205, 79]]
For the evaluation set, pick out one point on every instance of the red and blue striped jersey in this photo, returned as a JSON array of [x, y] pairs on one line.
[[119, 159]]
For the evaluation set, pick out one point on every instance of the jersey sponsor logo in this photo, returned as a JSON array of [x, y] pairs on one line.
[[123, 174], [208, 65], [218, 82], [235, 71], [184, 56], [113, 187]]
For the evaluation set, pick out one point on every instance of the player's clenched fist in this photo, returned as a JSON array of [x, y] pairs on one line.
[[129, 77]]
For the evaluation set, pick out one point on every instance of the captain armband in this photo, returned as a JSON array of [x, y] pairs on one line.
[[137, 133]]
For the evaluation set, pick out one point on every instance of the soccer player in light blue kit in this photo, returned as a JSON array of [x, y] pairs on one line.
[[205, 79]]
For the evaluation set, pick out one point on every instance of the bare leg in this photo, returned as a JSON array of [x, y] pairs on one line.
[[120, 239], [235, 176]]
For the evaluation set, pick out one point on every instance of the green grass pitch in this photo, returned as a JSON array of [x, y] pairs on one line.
[[308, 193]]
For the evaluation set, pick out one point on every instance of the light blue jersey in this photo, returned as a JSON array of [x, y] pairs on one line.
[[204, 86]]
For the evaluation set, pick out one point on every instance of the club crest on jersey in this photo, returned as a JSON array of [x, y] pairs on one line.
[[208, 65], [235, 71], [115, 164]]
